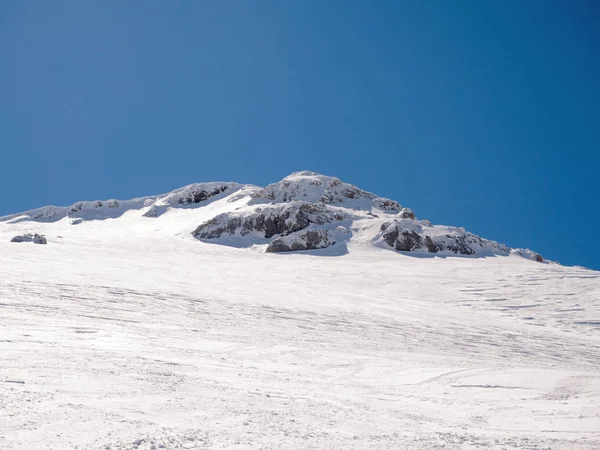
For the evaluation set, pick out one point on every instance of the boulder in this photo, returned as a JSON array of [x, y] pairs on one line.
[[402, 235], [29, 237]]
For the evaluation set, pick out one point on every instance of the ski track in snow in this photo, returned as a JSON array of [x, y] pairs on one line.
[[130, 334]]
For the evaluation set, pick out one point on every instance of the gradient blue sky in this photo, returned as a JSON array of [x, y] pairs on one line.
[[483, 114]]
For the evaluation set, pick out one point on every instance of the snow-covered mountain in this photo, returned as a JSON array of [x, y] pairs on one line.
[[305, 314], [304, 211]]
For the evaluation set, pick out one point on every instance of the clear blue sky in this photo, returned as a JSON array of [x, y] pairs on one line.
[[483, 114]]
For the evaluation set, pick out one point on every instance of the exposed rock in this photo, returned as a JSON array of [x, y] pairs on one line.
[[101, 210], [189, 196], [406, 213], [195, 194], [391, 235], [430, 245], [387, 205], [29, 237], [77, 207], [219, 225], [303, 240], [269, 220], [400, 237], [39, 239], [409, 235], [305, 206], [454, 243], [528, 254], [320, 189], [408, 241], [152, 212], [403, 235]]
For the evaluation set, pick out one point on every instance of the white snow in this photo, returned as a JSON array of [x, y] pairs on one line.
[[128, 332]]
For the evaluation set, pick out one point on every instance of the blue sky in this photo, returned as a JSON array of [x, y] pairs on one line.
[[478, 114]]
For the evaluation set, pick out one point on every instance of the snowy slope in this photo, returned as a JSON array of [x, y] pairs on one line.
[[129, 330]]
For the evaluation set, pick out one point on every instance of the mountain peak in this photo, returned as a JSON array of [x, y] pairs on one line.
[[304, 211], [304, 173], [313, 187]]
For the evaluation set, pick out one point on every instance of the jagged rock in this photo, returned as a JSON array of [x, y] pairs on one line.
[[195, 194], [408, 241], [77, 207], [303, 240], [455, 243], [269, 220], [100, 210], [312, 187], [409, 235], [29, 237], [406, 213], [430, 245], [387, 205], [401, 238]]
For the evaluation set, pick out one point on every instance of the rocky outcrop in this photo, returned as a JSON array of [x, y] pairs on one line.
[[528, 254], [401, 238], [406, 213], [153, 211], [463, 243], [198, 193], [29, 237], [192, 195], [83, 206], [302, 240], [312, 187], [407, 235], [268, 220], [387, 205]]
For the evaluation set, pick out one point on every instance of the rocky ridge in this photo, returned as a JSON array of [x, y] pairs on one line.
[[304, 211]]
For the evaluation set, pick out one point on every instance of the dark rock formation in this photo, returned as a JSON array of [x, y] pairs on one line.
[[35, 238], [403, 240], [407, 235], [406, 213], [193, 196], [270, 220], [304, 240]]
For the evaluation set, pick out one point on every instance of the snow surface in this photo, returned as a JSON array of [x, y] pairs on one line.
[[129, 333]]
